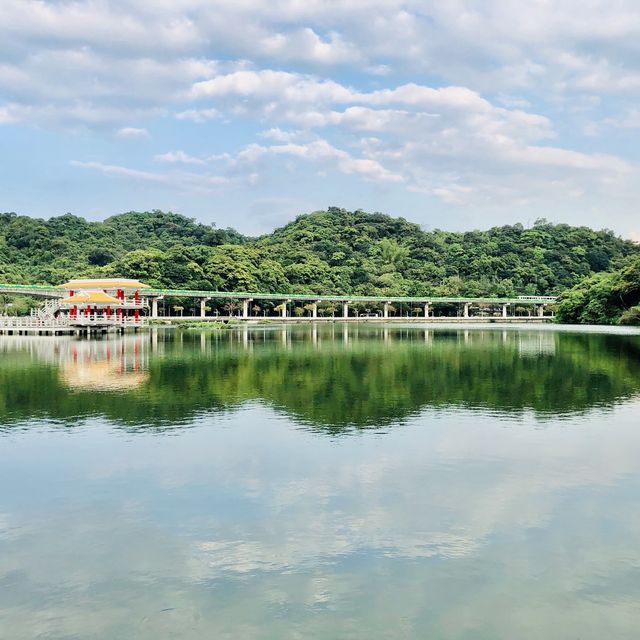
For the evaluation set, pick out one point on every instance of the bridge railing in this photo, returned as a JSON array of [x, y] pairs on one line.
[[104, 319], [31, 322], [61, 322]]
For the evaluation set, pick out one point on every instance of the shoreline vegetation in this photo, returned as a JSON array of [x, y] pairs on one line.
[[604, 298], [595, 273]]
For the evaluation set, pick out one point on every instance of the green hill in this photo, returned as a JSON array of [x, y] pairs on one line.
[[333, 251], [604, 298]]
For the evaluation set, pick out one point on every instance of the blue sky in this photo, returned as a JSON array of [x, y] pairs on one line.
[[246, 113]]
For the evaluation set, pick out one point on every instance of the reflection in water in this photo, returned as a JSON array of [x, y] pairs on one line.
[[253, 524], [330, 378], [104, 365], [536, 344], [109, 364]]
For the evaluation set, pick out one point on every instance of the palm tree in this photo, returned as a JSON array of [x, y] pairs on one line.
[[328, 309], [231, 306]]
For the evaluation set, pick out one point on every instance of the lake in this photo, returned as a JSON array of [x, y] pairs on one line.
[[330, 482]]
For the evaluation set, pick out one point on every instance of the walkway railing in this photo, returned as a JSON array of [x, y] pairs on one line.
[[66, 322], [20, 322]]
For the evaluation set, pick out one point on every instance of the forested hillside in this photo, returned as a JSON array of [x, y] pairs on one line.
[[333, 251], [604, 298], [51, 251]]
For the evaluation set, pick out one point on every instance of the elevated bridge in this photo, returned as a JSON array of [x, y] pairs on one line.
[[426, 304]]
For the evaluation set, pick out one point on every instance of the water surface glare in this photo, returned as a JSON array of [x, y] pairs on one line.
[[361, 482]]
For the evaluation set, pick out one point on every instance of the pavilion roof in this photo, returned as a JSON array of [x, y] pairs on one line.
[[105, 283], [92, 297]]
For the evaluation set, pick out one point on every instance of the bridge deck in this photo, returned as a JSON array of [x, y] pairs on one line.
[[58, 292]]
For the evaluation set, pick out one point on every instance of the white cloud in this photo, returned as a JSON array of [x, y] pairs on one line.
[[507, 79], [322, 151], [8, 115], [178, 157], [496, 44], [267, 85], [310, 47], [122, 172], [198, 115], [132, 132], [319, 153], [279, 135], [448, 141], [180, 180], [630, 120]]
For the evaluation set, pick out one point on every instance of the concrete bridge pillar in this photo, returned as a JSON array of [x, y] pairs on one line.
[[284, 308], [504, 310], [154, 307], [427, 309], [541, 311], [466, 309], [345, 309], [385, 312], [245, 307], [314, 309], [203, 304]]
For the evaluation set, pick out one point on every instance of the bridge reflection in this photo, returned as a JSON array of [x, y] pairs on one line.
[[329, 378]]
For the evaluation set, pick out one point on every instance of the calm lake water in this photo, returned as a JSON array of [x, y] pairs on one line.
[[333, 483]]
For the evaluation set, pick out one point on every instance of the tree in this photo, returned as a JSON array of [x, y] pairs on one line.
[[231, 306], [603, 298], [100, 257], [326, 252], [327, 309]]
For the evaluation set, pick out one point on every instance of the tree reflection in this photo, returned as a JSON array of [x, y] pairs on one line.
[[327, 378]]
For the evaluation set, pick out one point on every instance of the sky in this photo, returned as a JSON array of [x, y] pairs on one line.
[[246, 113]]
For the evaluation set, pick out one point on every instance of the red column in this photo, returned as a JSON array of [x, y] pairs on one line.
[[136, 315]]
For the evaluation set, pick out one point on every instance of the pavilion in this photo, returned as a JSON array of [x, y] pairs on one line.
[[107, 299]]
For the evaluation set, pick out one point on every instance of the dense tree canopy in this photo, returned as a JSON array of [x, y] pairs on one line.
[[605, 298], [333, 251], [52, 251]]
